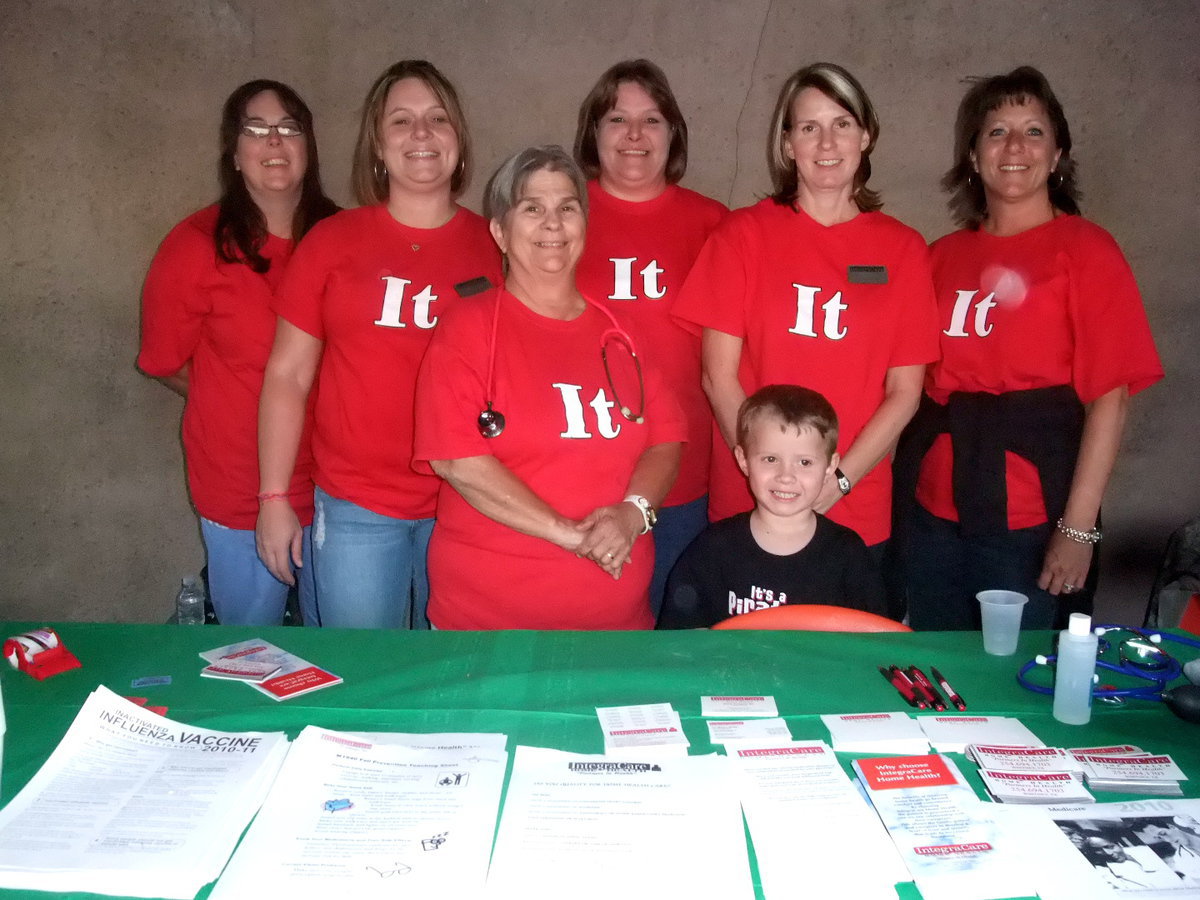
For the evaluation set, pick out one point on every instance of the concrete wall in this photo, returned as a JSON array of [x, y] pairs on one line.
[[110, 109]]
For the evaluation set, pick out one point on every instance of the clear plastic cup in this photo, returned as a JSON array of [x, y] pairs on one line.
[[1001, 613]]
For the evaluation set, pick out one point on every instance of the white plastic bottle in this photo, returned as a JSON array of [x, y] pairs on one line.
[[1074, 671], [189, 602]]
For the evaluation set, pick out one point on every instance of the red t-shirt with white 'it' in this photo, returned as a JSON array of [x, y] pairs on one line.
[[831, 308], [373, 289], [563, 436], [635, 261], [1054, 305]]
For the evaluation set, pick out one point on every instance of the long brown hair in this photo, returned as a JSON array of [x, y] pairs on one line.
[[241, 229], [968, 202], [602, 98], [367, 175]]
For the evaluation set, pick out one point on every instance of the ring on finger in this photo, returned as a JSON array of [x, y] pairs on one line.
[[1068, 588]]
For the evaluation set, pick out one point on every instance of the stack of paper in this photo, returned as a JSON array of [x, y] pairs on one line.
[[796, 797], [1035, 787], [291, 677], [952, 734], [603, 827], [1157, 775], [649, 728], [887, 732], [352, 818], [241, 670], [1024, 759], [729, 730], [738, 706], [134, 804]]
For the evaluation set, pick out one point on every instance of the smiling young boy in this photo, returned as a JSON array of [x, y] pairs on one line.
[[783, 551]]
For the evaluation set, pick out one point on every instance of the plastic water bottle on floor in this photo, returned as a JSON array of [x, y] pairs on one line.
[[189, 602]]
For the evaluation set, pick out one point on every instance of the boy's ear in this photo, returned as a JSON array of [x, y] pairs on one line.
[[834, 461], [740, 455]]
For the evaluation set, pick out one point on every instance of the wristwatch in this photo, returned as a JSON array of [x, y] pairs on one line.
[[842, 481], [646, 508]]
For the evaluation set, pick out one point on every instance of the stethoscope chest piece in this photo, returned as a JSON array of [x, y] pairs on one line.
[[491, 423]]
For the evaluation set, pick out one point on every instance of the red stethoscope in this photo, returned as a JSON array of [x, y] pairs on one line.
[[491, 421]]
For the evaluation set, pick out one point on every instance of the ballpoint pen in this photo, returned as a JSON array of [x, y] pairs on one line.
[[926, 686], [902, 683], [959, 703], [903, 687]]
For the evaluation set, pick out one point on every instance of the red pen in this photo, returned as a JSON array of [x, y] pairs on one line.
[[904, 690], [903, 684], [927, 688], [959, 703]]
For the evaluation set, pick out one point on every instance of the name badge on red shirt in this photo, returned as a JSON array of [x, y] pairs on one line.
[[867, 274]]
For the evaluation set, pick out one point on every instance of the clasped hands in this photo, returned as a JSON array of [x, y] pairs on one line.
[[607, 535]]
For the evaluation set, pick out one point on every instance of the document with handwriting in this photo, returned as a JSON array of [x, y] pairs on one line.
[[350, 818]]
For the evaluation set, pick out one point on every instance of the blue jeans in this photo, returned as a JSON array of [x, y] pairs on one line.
[[677, 527], [242, 590], [945, 570], [370, 568]]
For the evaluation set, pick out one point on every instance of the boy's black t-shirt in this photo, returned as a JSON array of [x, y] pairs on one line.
[[724, 572]]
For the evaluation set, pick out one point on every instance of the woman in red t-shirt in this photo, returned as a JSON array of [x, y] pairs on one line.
[[555, 441], [1044, 339], [814, 286], [644, 232], [207, 326], [360, 302]]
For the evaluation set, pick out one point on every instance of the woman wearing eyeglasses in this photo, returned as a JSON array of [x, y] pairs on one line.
[[207, 327], [644, 232], [360, 303], [555, 441]]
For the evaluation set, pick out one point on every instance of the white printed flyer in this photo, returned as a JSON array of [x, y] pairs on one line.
[[947, 837]]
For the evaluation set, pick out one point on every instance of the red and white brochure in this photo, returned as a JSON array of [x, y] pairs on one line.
[[293, 676], [951, 842], [1035, 787], [1024, 759]]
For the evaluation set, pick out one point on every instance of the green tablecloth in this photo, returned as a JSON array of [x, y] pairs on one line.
[[542, 688]]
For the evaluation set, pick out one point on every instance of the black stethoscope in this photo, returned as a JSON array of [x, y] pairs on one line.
[[491, 421], [1141, 657]]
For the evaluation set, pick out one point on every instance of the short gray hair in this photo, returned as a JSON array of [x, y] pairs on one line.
[[504, 188]]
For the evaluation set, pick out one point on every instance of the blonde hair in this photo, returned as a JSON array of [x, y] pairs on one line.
[[843, 89]]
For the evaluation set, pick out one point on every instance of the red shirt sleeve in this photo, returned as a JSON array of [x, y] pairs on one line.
[[298, 298], [917, 340], [1113, 343], [174, 302], [715, 292], [451, 389]]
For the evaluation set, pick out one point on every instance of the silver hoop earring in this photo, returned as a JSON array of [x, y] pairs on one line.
[[379, 169], [1055, 185]]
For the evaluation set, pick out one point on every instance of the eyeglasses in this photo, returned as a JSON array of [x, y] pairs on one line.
[[256, 128]]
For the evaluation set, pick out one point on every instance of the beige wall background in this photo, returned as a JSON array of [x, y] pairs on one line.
[[110, 113]]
